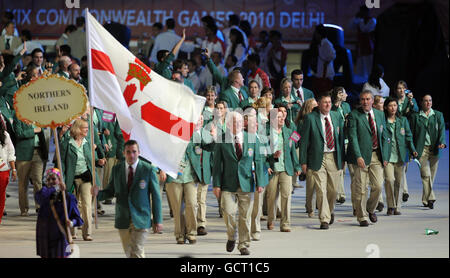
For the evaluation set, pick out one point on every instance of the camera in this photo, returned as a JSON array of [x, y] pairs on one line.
[[407, 91]]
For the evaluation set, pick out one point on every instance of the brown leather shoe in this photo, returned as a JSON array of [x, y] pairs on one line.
[[390, 211], [87, 238], [192, 240], [373, 217], [354, 212], [332, 219], [380, 206], [230, 245], [181, 240], [324, 226], [310, 214], [397, 212], [431, 204], [270, 226], [364, 223], [285, 230], [244, 251], [201, 231]]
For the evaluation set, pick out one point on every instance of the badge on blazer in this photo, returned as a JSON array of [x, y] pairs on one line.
[[402, 131], [142, 184], [250, 152], [381, 128], [389, 140], [337, 130], [198, 150]]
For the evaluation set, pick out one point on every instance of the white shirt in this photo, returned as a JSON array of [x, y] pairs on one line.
[[167, 40], [325, 146], [296, 91], [133, 166], [374, 122], [236, 92], [238, 138], [384, 91], [7, 153], [326, 54]]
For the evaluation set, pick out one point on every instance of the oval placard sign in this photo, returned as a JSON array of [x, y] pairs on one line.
[[50, 101]]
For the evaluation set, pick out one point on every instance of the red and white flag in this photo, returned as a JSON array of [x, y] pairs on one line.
[[158, 113]]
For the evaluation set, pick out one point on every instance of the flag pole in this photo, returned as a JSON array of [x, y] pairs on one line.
[[91, 118]]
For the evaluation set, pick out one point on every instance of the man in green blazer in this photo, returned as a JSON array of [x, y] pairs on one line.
[[132, 182], [299, 93], [367, 152], [233, 180], [322, 156], [428, 129], [31, 157]]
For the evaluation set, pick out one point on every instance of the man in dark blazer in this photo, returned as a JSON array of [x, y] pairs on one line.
[[234, 182], [367, 151], [322, 155], [132, 182]]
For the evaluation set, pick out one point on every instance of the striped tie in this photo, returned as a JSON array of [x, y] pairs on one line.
[[329, 134], [374, 133]]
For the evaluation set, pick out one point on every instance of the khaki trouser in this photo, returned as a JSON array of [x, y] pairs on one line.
[[295, 179], [393, 174], [183, 199], [202, 191], [256, 215], [429, 164], [404, 183], [231, 202], [341, 189], [326, 181], [309, 193], [84, 197], [27, 170], [280, 182], [133, 241], [351, 171], [374, 174], [110, 162]]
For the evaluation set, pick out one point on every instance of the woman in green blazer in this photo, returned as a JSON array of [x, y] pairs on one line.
[[283, 165], [288, 99], [76, 160], [400, 144]]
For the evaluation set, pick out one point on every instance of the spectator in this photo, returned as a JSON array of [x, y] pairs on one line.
[[148, 46], [31, 45], [77, 39], [212, 42], [8, 17], [246, 27], [376, 83], [276, 60], [263, 50], [9, 42], [65, 36], [233, 23], [237, 47], [256, 73]]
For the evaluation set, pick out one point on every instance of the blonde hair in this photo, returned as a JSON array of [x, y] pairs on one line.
[[260, 103], [306, 109], [75, 129]]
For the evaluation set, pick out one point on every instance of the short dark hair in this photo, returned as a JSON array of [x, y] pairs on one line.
[[178, 64], [170, 23], [324, 95], [131, 143], [9, 15], [70, 28], [80, 21], [386, 103], [296, 72], [161, 54], [276, 34], [36, 50], [254, 58], [65, 49], [158, 25], [27, 34], [234, 19]]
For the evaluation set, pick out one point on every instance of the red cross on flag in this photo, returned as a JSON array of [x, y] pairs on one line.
[[158, 113]]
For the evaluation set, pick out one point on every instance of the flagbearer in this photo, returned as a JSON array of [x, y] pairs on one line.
[[132, 182], [233, 180], [322, 156], [182, 191], [428, 131], [367, 151]]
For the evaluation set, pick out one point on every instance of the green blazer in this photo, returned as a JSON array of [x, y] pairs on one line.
[[69, 159], [25, 141], [403, 137], [114, 139], [307, 94], [409, 108], [163, 68], [312, 140], [291, 163], [231, 99], [9, 82], [136, 204], [291, 112], [360, 136], [344, 114], [201, 162], [229, 173], [63, 74], [436, 130]]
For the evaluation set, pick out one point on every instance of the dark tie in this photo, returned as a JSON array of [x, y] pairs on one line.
[[240, 96], [329, 134], [374, 133], [238, 148], [300, 96], [130, 177], [7, 45]]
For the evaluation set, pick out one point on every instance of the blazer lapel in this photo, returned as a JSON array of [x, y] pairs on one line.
[[336, 129], [319, 125], [136, 176]]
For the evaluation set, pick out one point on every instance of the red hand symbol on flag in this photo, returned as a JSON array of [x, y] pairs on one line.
[[129, 93]]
